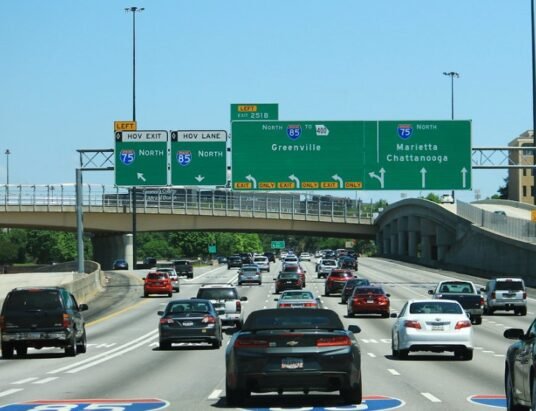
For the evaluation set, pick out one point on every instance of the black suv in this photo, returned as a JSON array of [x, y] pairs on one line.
[[42, 317], [184, 267], [234, 261]]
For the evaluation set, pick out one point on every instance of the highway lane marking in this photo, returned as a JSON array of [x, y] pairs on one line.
[[45, 380], [215, 395], [499, 355], [372, 355], [488, 352], [152, 334], [393, 371], [9, 392], [24, 381], [430, 397]]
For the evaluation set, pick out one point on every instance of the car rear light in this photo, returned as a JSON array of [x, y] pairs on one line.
[[493, 295], [66, 321], [412, 324], [334, 341], [383, 299], [2, 323], [238, 306], [481, 302], [250, 343], [309, 305], [208, 319], [164, 320], [285, 305], [462, 324], [525, 295]]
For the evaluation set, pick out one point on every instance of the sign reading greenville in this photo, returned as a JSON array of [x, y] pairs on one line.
[[342, 155], [141, 158]]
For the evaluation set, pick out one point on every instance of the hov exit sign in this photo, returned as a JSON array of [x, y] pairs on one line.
[[141, 158]]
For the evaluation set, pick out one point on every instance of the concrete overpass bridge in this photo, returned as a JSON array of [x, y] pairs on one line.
[[465, 237]]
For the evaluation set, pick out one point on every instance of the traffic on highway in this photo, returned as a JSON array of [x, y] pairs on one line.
[[390, 345]]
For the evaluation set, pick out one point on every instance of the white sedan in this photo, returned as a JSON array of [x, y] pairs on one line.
[[432, 325]]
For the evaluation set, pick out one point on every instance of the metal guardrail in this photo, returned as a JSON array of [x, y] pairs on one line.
[[517, 228], [62, 197]]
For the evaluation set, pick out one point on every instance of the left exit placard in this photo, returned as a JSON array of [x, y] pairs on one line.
[[141, 158]]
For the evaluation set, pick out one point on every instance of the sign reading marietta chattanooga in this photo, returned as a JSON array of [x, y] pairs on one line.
[[351, 155]]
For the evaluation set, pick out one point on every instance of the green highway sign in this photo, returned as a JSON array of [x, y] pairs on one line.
[[351, 155], [199, 157], [212, 249], [254, 112], [141, 158], [278, 244]]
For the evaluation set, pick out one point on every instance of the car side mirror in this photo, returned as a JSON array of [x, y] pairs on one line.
[[160, 313], [483, 290], [354, 328], [83, 307], [514, 333], [394, 315], [430, 292], [243, 298], [388, 295]]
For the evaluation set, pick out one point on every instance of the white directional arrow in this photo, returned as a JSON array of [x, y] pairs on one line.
[[338, 179], [423, 175], [295, 179], [464, 177], [141, 177], [380, 177], [249, 177], [199, 178]]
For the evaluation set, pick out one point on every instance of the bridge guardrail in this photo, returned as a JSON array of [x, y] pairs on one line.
[[189, 201]]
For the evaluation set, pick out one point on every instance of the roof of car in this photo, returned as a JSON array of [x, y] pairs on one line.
[[219, 285]]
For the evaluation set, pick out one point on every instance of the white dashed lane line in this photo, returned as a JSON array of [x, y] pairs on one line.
[[430, 397], [215, 395], [372, 355], [393, 372], [9, 392], [45, 380], [26, 380]]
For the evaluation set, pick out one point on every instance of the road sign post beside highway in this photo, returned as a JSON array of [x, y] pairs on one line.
[[141, 158], [350, 155], [198, 157], [254, 112]]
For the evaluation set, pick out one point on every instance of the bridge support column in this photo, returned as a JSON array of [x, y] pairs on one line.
[[387, 239], [403, 236], [413, 228], [428, 231], [106, 249], [394, 239], [444, 240]]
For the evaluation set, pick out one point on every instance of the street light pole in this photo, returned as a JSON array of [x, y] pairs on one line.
[[451, 74], [134, 10], [533, 28], [7, 153]]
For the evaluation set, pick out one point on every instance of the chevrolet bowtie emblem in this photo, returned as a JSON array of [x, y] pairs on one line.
[[292, 343]]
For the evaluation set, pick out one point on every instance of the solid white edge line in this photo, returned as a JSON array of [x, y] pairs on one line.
[[430, 397], [393, 371], [45, 380], [215, 395]]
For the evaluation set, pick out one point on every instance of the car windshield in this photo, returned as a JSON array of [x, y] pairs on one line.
[[509, 286], [297, 295], [217, 294], [303, 319], [156, 276], [435, 307]]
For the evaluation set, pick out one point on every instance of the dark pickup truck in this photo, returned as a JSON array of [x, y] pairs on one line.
[[184, 268], [465, 293]]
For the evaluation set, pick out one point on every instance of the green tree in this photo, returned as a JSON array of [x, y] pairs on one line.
[[503, 190], [433, 197], [8, 251]]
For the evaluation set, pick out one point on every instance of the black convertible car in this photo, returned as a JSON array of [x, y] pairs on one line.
[[293, 350]]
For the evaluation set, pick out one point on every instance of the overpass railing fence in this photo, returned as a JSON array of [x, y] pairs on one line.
[[54, 197], [518, 228]]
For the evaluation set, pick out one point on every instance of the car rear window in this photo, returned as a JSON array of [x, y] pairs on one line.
[[188, 307], [356, 282], [288, 276], [32, 300], [329, 262], [341, 274], [157, 276], [368, 290], [297, 295], [292, 318], [217, 294], [509, 286], [182, 262], [435, 308]]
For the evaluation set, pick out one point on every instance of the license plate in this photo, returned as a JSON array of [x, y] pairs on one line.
[[187, 323], [297, 305], [370, 301], [437, 328], [291, 363]]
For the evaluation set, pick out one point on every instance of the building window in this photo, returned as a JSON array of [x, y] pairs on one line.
[[524, 172], [527, 152], [524, 190]]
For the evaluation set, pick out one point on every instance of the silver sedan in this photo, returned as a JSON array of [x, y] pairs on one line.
[[298, 299]]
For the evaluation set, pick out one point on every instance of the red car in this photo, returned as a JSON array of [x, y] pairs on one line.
[[370, 299], [157, 283], [295, 268], [336, 281]]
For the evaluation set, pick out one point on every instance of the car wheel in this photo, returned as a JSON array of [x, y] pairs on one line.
[[7, 350], [403, 354], [191, 276], [170, 294], [145, 295], [164, 345], [523, 311], [350, 314], [385, 315], [216, 344], [477, 320], [70, 349], [352, 395], [22, 349], [234, 397], [510, 400], [467, 355], [326, 293], [81, 346], [490, 311]]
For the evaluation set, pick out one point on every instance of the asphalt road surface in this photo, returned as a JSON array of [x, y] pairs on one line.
[[123, 365]]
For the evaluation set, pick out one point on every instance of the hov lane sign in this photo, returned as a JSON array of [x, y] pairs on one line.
[[141, 158], [146, 404]]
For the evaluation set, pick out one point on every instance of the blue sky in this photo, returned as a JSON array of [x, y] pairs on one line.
[[66, 71]]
